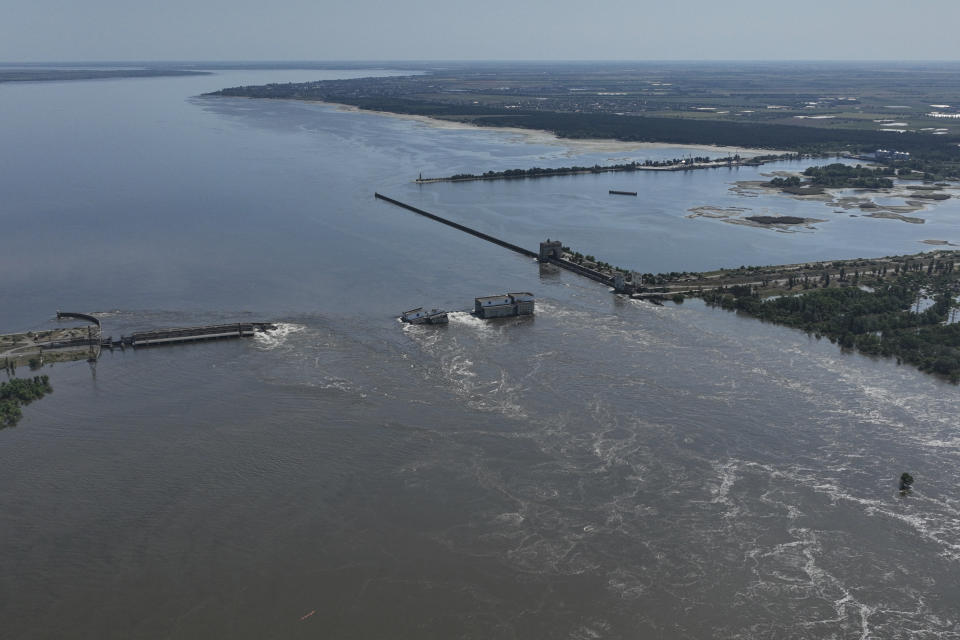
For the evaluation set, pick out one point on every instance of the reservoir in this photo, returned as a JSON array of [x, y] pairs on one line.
[[604, 469]]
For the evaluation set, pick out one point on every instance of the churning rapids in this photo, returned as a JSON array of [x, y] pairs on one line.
[[605, 469]]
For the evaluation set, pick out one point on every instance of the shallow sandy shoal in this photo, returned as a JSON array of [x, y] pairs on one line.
[[539, 136]]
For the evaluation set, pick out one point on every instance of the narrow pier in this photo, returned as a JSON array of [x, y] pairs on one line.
[[553, 257], [455, 225]]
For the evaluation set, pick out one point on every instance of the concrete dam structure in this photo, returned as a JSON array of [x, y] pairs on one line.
[[504, 306], [550, 252]]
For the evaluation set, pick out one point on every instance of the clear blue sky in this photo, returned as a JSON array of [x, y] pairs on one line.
[[89, 30]]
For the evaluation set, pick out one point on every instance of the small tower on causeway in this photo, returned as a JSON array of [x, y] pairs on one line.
[[550, 249]]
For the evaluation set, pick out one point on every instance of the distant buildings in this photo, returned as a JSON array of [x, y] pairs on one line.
[[891, 154]]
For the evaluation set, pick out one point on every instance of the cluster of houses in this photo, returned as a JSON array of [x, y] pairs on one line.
[[890, 154]]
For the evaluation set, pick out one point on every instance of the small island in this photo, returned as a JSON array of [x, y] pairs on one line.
[[867, 191], [735, 215], [788, 220], [835, 176]]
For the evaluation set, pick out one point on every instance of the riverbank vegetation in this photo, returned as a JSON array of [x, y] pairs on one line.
[[928, 168], [675, 164], [908, 318], [697, 162], [903, 307], [18, 392]]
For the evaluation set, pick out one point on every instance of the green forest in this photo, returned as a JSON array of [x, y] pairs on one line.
[[841, 175], [803, 139], [837, 176], [883, 321]]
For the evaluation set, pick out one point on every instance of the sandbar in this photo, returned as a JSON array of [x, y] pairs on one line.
[[540, 136]]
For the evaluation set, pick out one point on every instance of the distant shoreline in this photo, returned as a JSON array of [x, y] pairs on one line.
[[537, 136], [542, 136], [62, 75]]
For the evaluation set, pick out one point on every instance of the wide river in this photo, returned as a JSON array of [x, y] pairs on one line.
[[606, 469]]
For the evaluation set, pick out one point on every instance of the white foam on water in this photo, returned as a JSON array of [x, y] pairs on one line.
[[728, 475], [499, 395], [512, 518], [626, 584], [324, 384], [941, 527], [592, 631], [795, 567], [277, 337], [792, 568], [454, 355], [881, 399], [953, 443], [466, 319], [423, 334], [564, 311], [652, 308], [336, 383]]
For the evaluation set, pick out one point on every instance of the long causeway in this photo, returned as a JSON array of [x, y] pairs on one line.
[[563, 264], [461, 227]]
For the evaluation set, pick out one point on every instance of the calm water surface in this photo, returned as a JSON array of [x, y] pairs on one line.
[[607, 469]]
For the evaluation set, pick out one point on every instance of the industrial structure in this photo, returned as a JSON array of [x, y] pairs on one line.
[[550, 249], [502, 306], [422, 316]]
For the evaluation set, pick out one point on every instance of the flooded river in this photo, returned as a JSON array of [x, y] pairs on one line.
[[605, 469]]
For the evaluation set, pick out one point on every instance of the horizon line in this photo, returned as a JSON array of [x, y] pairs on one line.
[[368, 61]]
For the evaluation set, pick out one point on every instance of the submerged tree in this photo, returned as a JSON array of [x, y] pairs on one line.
[[906, 481]]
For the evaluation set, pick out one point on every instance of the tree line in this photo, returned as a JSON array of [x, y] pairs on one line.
[[884, 321], [837, 175], [842, 175], [538, 172], [377, 96], [18, 392]]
